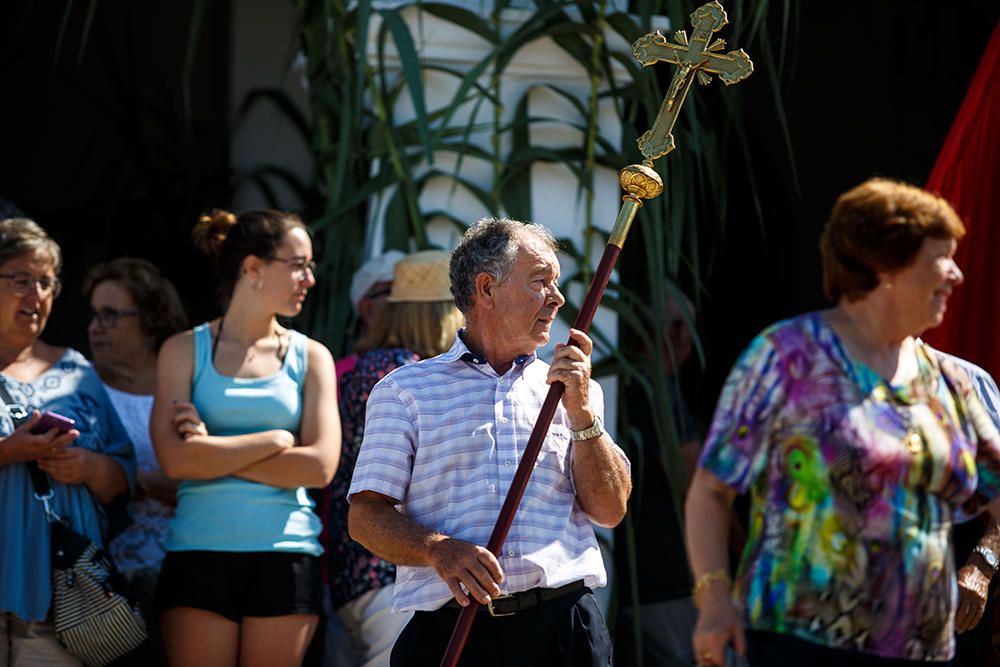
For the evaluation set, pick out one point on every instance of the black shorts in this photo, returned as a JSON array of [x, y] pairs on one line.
[[238, 584]]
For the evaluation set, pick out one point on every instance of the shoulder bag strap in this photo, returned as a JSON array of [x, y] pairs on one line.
[[19, 415]]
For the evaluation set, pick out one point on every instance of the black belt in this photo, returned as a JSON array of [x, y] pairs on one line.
[[508, 605]]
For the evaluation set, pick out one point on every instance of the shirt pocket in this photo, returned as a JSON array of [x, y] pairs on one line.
[[553, 469]]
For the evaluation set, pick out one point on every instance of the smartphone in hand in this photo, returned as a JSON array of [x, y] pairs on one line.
[[51, 420]]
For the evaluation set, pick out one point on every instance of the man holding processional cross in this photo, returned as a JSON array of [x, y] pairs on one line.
[[444, 435], [441, 440]]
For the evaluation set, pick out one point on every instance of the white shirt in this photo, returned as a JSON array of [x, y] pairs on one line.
[[143, 544]]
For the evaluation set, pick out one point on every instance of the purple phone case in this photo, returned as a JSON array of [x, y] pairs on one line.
[[51, 420]]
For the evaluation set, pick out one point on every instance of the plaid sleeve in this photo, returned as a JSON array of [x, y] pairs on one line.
[[736, 448], [385, 462]]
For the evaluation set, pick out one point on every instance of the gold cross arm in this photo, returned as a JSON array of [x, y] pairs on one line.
[[731, 67], [694, 57]]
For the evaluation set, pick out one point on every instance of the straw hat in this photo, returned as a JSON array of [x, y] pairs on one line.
[[422, 276]]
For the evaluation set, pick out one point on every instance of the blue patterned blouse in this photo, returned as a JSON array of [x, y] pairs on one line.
[[71, 388]]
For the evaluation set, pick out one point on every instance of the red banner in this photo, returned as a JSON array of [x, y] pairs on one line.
[[967, 174]]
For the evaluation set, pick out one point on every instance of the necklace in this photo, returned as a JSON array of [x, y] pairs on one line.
[[218, 336], [900, 402]]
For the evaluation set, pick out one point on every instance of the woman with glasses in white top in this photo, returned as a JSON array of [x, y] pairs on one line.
[[88, 466], [133, 309]]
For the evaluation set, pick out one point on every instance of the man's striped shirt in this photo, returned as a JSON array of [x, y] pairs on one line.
[[444, 437]]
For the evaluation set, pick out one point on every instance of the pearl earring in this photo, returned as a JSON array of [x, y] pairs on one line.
[[887, 285], [259, 285]]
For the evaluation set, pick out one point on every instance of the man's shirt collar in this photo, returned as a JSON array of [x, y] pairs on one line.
[[460, 352]]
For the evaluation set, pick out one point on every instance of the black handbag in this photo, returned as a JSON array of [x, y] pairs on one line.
[[93, 616]]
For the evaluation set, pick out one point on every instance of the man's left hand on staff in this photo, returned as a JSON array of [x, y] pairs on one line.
[[571, 366]]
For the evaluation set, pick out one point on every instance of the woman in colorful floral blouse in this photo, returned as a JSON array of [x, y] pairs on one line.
[[419, 321], [860, 446]]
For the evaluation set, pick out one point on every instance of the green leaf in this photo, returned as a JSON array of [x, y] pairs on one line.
[[194, 31], [543, 23], [411, 73], [363, 16], [462, 18], [283, 102], [482, 91], [397, 228], [62, 32], [261, 175], [623, 24], [88, 22], [468, 81], [515, 184], [360, 195], [459, 223]]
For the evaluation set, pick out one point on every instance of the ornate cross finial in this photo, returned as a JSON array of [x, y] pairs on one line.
[[693, 58]]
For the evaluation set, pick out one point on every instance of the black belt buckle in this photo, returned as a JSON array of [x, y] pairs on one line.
[[497, 614]]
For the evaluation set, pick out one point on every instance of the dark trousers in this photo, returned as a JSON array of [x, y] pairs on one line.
[[569, 631], [770, 649]]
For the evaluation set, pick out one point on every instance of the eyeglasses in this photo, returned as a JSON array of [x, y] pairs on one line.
[[299, 265], [22, 283], [107, 318]]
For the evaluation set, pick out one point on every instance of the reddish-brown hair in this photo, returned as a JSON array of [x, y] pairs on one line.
[[879, 226]]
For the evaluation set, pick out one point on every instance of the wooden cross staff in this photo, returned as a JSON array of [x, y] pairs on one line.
[[640, 181]]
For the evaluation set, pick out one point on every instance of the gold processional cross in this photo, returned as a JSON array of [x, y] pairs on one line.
[[694, 57]]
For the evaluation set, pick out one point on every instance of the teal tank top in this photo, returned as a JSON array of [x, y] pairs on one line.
[[230, 514]]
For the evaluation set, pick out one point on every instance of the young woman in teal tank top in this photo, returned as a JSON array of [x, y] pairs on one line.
[[246, 415]]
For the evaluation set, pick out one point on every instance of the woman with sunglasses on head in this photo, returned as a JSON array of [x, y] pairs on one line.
[[88, 466], [246, 414], [133, 310]]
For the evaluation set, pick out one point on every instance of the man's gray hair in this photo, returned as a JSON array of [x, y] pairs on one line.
[[490, 246]]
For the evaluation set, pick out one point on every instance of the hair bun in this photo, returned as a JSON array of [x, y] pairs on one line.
[[211, 230]]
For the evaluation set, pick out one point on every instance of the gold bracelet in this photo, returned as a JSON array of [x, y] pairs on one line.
[[707, 579]]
